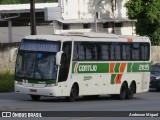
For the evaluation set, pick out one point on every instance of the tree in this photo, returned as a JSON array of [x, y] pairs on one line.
[[9, 1], [147, 13]]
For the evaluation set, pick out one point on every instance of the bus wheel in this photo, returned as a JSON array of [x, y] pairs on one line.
[[73, 94], [123, 92], [131, 91], [35, 97]]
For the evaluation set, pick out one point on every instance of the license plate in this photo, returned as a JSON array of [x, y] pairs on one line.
[[33, 90]]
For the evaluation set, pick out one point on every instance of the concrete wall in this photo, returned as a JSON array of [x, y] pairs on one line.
[[155, 54], [4, 56], [18, 32]]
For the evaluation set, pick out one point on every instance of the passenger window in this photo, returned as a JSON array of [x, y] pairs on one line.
[[126, 52], [136, 51], [81, 53], [78, 53], [105, 52], [75, 52], [91, 51], [145, 51], [115, 51], [111, 51]]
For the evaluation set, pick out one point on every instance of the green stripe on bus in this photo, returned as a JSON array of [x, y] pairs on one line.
[[141, 67], [116, 69], [104, 67], [129, 65], [113, 78]]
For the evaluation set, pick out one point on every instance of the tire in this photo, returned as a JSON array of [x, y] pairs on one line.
[[123, 92], [35, 97], [73, 94], [131, 91]]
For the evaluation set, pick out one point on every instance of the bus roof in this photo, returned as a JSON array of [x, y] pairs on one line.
[[89, 36]]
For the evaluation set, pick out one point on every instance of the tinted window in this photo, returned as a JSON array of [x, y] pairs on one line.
[[136, 51], [126, 51], [115, 51], [79, 51], [91, 51], [145, 51], [104, 51]]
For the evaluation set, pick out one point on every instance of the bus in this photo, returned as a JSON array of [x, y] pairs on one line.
[[82, 64]]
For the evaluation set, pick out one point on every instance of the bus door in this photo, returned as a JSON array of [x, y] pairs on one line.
[[65, 64]]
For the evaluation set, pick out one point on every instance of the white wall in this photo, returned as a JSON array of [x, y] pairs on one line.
[[73, 28], [125, 30], [19, 32], [121, 11], [80, 9]]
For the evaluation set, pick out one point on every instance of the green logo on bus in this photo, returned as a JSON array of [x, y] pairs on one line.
[[88, 68]]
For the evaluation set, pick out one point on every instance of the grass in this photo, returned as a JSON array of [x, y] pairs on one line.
[[6, 81]]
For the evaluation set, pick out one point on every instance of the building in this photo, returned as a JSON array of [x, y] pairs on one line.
[[65, 16], [92, 15], [17, 16]]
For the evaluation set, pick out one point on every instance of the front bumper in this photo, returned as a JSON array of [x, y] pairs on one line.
[[45, 91]]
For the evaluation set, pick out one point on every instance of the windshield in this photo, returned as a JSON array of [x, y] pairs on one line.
[[36, 65], [36, 59]]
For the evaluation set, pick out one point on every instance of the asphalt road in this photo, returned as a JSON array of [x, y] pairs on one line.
[[149, 101]]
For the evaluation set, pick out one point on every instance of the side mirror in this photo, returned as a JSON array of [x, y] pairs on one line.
[[58, 58], [12, 54]]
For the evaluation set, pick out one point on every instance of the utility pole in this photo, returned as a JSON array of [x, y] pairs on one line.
[[10, 30], [96, 6], [113, 2], [32, 17], [95, 15]]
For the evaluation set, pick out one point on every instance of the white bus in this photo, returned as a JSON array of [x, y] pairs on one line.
[[82, 64]]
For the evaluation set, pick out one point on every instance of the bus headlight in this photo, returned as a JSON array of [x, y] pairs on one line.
[[17, 82], [49, 85]]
